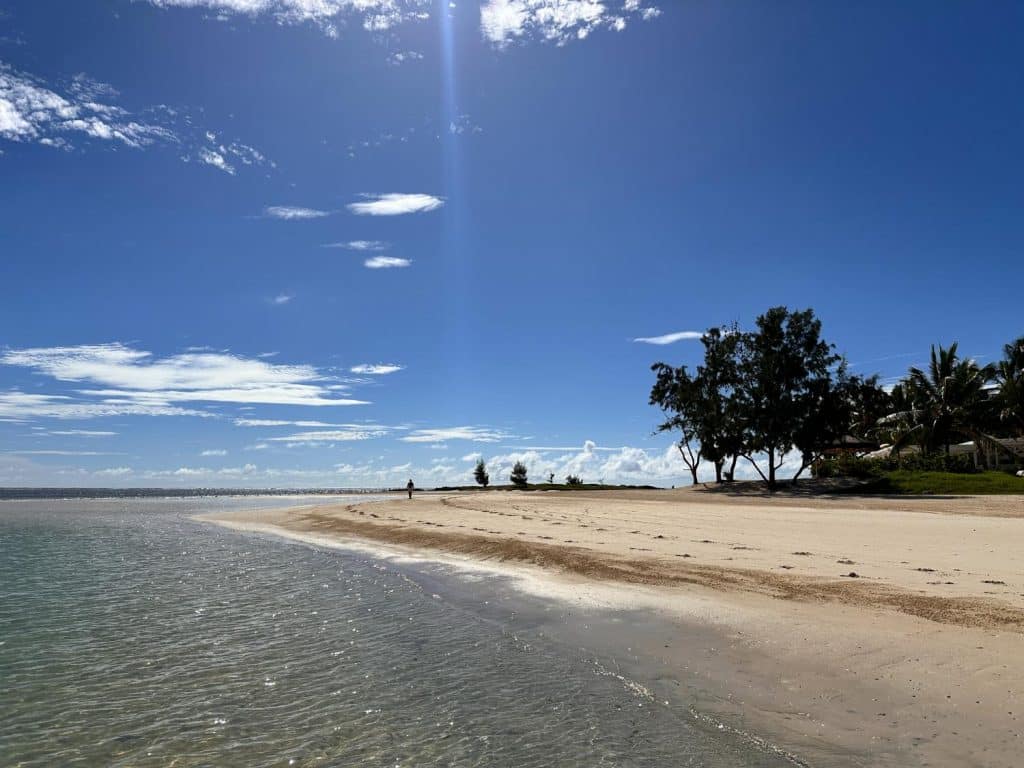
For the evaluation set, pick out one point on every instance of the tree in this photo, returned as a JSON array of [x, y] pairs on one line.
[[551, 478], [573, 480], [868, 404], [947, 401], [518, 476], [1010, 378], [785, 369], [826, 416], [716, 420], [480, 473], [674, 391]]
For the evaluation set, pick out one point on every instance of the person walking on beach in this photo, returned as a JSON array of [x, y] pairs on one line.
[[409, 487]]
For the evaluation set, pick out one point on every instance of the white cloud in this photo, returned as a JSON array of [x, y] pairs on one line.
[[331, 436], [81, 433], [60, 453], [476, 434], [395, 204], [293, 213], [558, 21], [386, 262], [282, 298], [113, 472], [31, 111], [401, 57], [19, 406], [360, 245], [54, 116], [216, 159], [379, 369], [284, 423], [214, 452], [669, 338], [376, 15], [134, 381], [626, 465]]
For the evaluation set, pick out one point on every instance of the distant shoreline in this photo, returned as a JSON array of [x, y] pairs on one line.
[[21, 494]]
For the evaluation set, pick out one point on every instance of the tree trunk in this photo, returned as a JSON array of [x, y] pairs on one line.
[[718, 471], [693, 471], [732, 469], [771, 469]]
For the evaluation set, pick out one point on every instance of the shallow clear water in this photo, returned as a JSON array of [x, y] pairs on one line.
[[133, 635]]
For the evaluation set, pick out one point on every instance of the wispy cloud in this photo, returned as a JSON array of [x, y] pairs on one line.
[[475, 434], [286, 423], [113, 472], [82, 111], [214, 452], [281, 298], [329, 15], [386, 262], [395, 204], [360, 245], [558, 21], [32, 111], [378, 369], [293, 213], [80, 433], [20, 406], [331, 436], [61, 453], [404, 57], [669, 338], [128, 380]]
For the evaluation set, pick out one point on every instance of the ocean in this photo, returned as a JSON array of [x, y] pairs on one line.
[[133, 635]]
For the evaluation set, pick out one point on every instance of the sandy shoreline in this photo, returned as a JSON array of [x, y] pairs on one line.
[[915, 661]]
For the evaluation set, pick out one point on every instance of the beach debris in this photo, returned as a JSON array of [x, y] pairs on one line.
[[852, 575], [804, 554], [846, 561], [993, 581]]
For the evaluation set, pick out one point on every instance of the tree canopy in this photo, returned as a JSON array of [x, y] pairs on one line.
[[780, 395]]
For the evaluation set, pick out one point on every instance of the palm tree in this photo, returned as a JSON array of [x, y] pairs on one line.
[[948, 400], [1010, 377]]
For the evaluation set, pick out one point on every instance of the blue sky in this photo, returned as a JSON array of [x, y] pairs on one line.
[[298, 242]]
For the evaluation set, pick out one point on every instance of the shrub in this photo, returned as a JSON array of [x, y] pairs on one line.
[[853, 466]]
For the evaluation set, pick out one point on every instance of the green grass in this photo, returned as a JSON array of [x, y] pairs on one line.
[[905, 481]]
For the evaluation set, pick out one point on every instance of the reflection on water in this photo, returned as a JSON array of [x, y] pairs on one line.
[[131, 635]]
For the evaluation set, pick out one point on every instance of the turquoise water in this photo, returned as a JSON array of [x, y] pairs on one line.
[[131, 635]]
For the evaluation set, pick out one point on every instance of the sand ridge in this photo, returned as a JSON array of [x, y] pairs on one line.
[[961, 570]]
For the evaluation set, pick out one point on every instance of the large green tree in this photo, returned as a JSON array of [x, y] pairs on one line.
[[785, 387]]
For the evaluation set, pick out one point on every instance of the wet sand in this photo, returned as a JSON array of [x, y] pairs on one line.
[[915, 660]]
